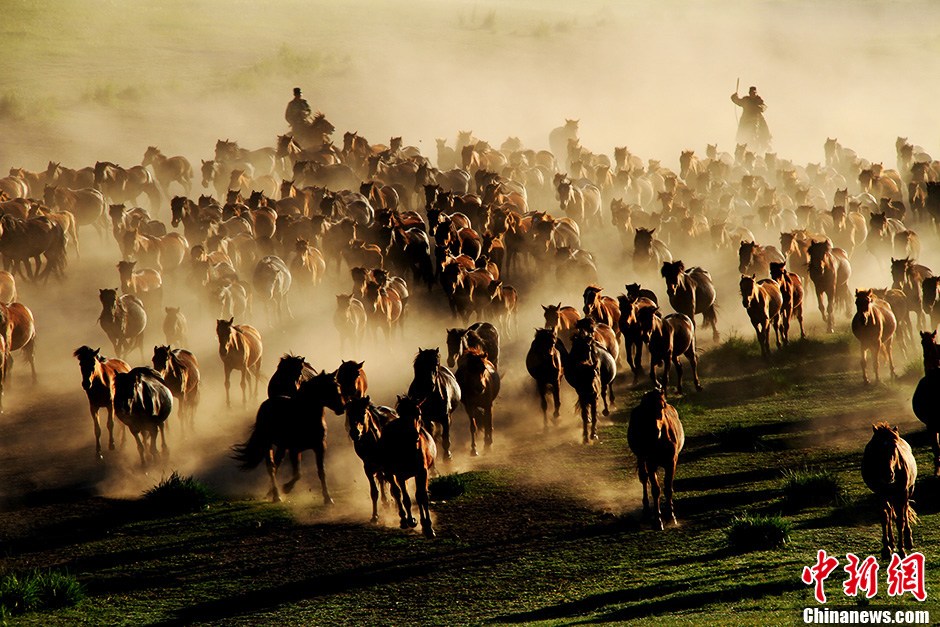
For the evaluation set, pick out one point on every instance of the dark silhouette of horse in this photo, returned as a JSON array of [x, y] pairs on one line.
[[289, 425], [648, 252], [656, 437], [291, 371], [691, 292], [479, 386], [756, 259], [408, 450], [436, 388], [543, 362], [667, 338], [142, 401], [890, 470], [829, 269], [482, 335], [633, 337], [926, 400], [590, 370], [123, 320], [366, 422], [352, 380], [98, 382]]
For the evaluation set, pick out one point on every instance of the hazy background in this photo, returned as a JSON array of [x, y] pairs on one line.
[[84, 81]]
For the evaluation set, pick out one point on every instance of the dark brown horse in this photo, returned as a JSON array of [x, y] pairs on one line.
[[561, 319], [691, 292], [791, 289], [240, 349], [874, 325], [909, 277], [890, 470], [436, 388], [479, 386], [667, 339], [123, 320], [763, 302], [143, 402], [633, 337], [98, 382], [366, 422], [543, 362], [829, 269], [291, 371], [648, 252], [180, 371], [289, 425], [926, 400], [656, 437], [756, 259], [407, 450], [601, 308], [352, 380], [482, 335], [590, 370]]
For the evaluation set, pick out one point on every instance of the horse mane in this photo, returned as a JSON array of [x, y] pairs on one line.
[[884, 429]]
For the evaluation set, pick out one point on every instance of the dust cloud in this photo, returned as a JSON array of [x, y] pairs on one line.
[[91, 81]]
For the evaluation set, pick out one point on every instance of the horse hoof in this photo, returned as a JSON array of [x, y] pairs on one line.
[[585, 440], [276, 498], [658, 524], [111, 446], [606, 412], [328, 501], [403, 524], [885, 553], [412, 523], [448, 456], [99, 456], [594, 436], [374, 519], [428, 532], [698, 387], [474, 453]]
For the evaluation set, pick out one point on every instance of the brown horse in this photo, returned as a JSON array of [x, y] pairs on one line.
[[146, 284], [175, 328], [829, 269], [874, 325], [590, 370], [240, 349], [479, 386], [169, 169], [601, 308], [691, 292], [649, 253], [630, 329], [98, 382], [756, 259], [123, 320], [667, 338], [7, 287], [482, 335], [291, 371], [143, 402], [352, 380], [366, 422], [763, 302], [407, 450], [290, 425], [562, 319], [383, 308], [350, 321], [791, 289], [543, 362], [180, 371], [908, 277], [926, 400], [890, 470], [18, 330], [656, 437]]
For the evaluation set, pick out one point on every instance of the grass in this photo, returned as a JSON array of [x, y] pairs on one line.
[[177, 495], [447, 487], [757, 533], [808, 487], [38, 590]]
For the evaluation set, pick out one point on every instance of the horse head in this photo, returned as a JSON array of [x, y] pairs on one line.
[[746, 254], [671, 271], [225, 332], [87, 362], [863, 301], [161, 359], [748, 286], [358, 418], [883, 451], [409, 410], [352, 379]]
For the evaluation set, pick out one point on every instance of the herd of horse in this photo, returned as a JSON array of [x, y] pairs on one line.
[[443, 242]]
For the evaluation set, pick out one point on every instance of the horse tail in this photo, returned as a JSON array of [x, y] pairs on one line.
[[710, 315], [256, 448], [912, 517]]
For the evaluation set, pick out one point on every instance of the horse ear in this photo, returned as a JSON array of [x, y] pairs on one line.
[[874, 429], [895, 429], [544, 308], [753, 277], [231, 320], [559, 304], [98, 350], [360, 364]]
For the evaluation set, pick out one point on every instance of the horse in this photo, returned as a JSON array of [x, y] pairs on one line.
[[656, 437], [561, 319], [889, 469], [384, 307], [667, 338], [504, 301], [601, 308], [169, 169], [146, 284], [407, 450], [763, 302], [7, 287], [142, 401], [648, 252], [240, 349], [291, 371], [479, 386], [874, 325], [756, 259], [691, 292], [366, 422], [180, 371], [926, 400], [272, 280], [791, 289], [123, 320], [98, 382], [289, 425], [543, 362], [630, 329], [352, 380], [350, 320], [18, 330], [32, 239], [590, 370], [930, 296], [436, 388], [829, 269], [482, 335], [175, 328], [908, 277]]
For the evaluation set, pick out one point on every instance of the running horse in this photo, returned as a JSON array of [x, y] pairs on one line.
[[763, 302], [98, 382], [791, 289], [829, 269], [436, 388], [353, 383], [926, 400], [691, 292], [603, 309], [366, 422], [590, 370], [479, 386], [123, 320], [667, 338], [656, 437], [180, 371], [289, 425], [291, 371], [142, 401], [407, 451], [240, 349], [874, 325], [890, 470], [543, 362]]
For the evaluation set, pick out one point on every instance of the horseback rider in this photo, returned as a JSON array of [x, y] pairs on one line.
[[298, 111], [752, 129]]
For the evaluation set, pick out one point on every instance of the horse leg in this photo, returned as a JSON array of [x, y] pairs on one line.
[[94, 421], [865, 366], [445, 436], [644, 479], [654, 488], [396, 491], [905, 540], [29, 349], [295, 472], [163, 447], [830, 305], [888, 346], [374, 493], [228, 399], [887, 534], [473, 433], [584, 422], [320, 450], [675, 361], [140, 449], [407, 520], [670, 473], [556, 392], [244, 386], [424, 503], [935, 445], [594, 419], [607, 388], [541, 389], [272, 461]]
